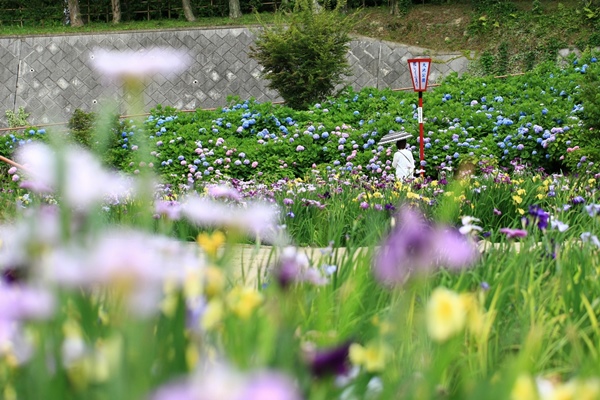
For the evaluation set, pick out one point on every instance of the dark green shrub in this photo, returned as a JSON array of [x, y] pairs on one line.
[[81, 125], [486, 61], [495, 8], [306, 59], [502, 59]]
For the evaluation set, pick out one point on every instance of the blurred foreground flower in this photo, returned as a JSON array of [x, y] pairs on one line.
[[19, 303], [126, 64], [224, 192], [575, 389], [25, 241], [332, 361], [293, 267], [76, 172], [415, 245], [446, 314], [524, 388], [221, 383], [242, 301], [372, 357], [251, 218], [130, 263]]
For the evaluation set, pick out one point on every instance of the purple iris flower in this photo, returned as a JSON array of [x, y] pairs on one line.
[[389, 207], [578, 200], [330, 361], [415, 245], [593, 209], [539, 215], [13, 275]]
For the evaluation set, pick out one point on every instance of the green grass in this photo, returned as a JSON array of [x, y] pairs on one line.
[[165, 24]]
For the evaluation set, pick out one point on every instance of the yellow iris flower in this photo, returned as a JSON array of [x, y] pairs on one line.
[[446, 314]]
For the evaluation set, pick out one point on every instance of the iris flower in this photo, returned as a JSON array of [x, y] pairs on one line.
[[415, 245], [513, 233], [83, 180], [116, 64]]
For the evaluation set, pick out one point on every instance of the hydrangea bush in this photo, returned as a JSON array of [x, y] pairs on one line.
[[479, 284], [535, 117]]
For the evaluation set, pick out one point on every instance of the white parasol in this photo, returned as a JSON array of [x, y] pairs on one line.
[[393, 137]]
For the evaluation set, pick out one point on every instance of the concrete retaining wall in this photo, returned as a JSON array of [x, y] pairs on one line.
[[50, 76]]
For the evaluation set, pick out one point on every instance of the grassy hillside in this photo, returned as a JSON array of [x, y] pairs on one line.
[[514, 38]]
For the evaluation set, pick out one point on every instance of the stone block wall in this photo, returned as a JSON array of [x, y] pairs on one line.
[[50, 76]]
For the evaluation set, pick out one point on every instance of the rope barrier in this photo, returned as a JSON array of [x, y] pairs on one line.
[[11, 162]]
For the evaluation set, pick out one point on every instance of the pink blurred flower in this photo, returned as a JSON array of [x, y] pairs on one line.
[[222, 191], [18, 302], [134, 264], [12, 170], [252, 218], [84, 180], [221, 383], [513, 233], [171, 209], [24, 240], [126, 64]]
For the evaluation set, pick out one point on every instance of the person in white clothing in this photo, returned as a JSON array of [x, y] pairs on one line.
[[403, 162]]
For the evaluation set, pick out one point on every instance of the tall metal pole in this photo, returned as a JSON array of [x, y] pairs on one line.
[[421, 139], [419, 73]]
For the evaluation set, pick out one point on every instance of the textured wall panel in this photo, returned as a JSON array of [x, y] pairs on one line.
[[50, 76]]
